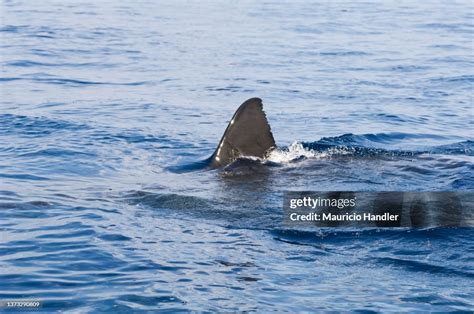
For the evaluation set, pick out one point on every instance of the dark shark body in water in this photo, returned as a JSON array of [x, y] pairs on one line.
[[247, 135]]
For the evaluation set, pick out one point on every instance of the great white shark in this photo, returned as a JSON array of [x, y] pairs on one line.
[[247, 135]]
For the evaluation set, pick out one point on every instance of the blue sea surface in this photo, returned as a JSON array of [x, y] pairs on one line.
[[107, 106]]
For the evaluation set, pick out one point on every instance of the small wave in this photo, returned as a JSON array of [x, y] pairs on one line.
[[13, 28], [297, 151], [35, 126], [422, 266], [457, 27], [68, 82], [9, 79], [23, 176], [56, 152], [30, 63], [343, 53], [36, 209], [454, 79], [320, 150], [166, 200], [75, 82], [231, 88], [461, 148], [388, 141]]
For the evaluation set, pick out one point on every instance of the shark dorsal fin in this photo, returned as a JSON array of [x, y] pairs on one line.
[[248, 134]]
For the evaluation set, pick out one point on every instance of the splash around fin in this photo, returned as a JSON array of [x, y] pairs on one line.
[[248, 134]]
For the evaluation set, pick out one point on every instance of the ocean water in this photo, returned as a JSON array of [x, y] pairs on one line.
[[107, 107]]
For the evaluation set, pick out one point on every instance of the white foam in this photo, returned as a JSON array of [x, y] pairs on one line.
[[296, 151]]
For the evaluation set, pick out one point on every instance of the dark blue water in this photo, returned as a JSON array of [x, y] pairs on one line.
[[106, 107]]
